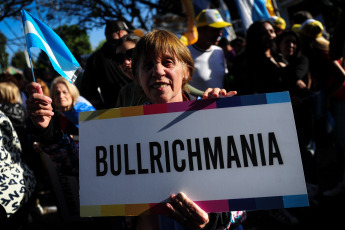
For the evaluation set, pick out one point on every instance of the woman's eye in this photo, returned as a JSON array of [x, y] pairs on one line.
[[168, 62]]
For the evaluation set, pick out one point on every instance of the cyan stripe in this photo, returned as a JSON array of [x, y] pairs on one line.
[[34, 41], [54, 41], [259, 11], [279, 97], [296, 201]]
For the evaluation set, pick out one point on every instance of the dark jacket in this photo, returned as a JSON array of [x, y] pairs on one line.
[[102, 72]]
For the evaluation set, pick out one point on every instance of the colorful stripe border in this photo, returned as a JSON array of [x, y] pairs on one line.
[[261, 203], [247, 100]]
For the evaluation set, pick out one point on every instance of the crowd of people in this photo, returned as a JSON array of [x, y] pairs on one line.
[[135, 69]]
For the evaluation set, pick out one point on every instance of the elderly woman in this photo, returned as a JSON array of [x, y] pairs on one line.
[[162, 66], [63, 129], [67, 99]]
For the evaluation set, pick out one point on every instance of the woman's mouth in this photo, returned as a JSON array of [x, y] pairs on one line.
[[159, 85]]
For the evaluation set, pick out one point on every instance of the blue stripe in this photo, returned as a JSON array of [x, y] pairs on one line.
[[52, 39], [279, 97], [259, 11], [256, 99], [34, 41], [229, 102], [274, 202], [296, 201], [242, 204], [64, 57]]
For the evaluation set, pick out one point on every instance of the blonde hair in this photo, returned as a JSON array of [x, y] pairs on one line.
[[72, 89], [159, 42], [45, 87], [9, 93]]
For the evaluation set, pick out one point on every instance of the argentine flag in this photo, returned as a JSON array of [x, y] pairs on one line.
[[251, 11], [41, 36]]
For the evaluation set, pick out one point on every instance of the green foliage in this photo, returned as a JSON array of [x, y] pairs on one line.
[[42, 62], [3, 53], [18, 60], [76, 39]]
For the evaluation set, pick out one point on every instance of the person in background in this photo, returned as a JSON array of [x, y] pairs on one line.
[[67, 100], [337, 53], [259, 69], [102, 78], [18, 183], [327, 77], [298, 18], [131, 94], [67, 105], [11, 104], [289, 45], [278, 24], [209, 60], [238, 45], [163, 74], [298, 82]]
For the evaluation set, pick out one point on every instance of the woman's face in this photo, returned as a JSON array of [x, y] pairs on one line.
[[161, 78], [62, 98], [288, 46], [126, 59], [269, 34]]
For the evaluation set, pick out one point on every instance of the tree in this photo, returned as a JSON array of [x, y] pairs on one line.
[[3, 53], [11, 8], [18, 60], [91, 13], [76, 39]]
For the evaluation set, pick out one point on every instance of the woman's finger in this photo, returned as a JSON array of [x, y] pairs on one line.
[[231, 93], [185, 210]]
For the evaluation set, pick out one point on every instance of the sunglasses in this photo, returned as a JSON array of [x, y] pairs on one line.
[[120, 58]]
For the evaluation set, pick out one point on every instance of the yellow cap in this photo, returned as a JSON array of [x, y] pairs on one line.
[[212, 18], [312, 28], [278, 22]]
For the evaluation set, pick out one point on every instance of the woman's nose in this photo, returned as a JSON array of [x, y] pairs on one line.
[[127, 61], [159, 69]]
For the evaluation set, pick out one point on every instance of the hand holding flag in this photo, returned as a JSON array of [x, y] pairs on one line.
[[41, 36]]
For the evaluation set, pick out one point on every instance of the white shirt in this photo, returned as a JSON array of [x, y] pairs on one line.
[[210, 67]]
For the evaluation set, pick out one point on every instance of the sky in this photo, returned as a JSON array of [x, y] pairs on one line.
[[13, 29]]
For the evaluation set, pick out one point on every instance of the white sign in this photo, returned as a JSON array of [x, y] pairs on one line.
[[228, 149]]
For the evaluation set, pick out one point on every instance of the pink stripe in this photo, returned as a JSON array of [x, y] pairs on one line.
[[214, 205], [192, 105], [155, 109]]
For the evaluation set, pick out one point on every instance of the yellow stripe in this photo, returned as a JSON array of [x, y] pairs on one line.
[[137, 209], [86, 211], [113, 210], [132, 111], [109, 113], [89, 115]]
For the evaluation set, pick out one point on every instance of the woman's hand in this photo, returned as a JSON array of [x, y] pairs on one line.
[[38, 106], [301, 84], [211, 93], [185, 211]]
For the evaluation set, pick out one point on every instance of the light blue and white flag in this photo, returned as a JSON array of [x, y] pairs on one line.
[[229, 31], [41, 36], [251, 11]]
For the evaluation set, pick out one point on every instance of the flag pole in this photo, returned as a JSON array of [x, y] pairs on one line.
[[32, 70]]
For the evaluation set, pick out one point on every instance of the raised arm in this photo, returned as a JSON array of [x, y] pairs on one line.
[[39, 106]]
